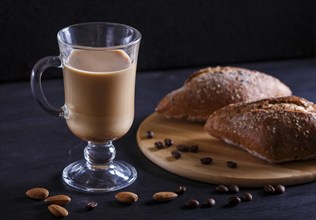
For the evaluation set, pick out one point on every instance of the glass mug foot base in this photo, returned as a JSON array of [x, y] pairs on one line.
[[110, 177]]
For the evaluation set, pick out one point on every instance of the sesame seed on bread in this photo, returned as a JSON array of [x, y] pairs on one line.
[[276, 129], [212, 88]]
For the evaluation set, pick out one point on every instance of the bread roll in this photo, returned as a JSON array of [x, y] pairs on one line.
[[276, 129], [210, 89]]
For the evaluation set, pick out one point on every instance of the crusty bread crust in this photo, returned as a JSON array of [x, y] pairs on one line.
[[210, 89], [276, 129]]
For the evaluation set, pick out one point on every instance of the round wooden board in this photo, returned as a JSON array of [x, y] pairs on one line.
[[251, 172]]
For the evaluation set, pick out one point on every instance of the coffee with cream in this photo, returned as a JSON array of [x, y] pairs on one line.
[[99, 93]]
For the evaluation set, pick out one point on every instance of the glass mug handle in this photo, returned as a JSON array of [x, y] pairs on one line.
[[36, 85]]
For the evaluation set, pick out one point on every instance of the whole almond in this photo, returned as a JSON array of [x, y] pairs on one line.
[[58, 211], [164, 196], [126, 197], [58, 200], [37, 193]]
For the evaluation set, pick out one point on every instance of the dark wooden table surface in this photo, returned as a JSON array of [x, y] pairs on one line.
[[35, 148]]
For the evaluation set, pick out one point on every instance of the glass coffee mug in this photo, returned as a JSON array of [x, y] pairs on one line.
[[99, 70]]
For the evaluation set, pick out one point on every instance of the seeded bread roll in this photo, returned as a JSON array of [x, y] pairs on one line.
[[276, 130], [210, 89]]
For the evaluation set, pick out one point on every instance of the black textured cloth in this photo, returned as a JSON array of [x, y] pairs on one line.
[[35, 147]]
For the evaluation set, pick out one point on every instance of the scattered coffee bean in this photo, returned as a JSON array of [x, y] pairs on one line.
[[210, 202], [246, 197], [279, 189], [234, 200], [206, 160], [233, 189], [159, 144], [168, 142], [149, 134], [194, 148], [181, 190], [231, 164], [91, 205], [269, 189], [176, 154], [221, 189], [183, 148], [191, 204]]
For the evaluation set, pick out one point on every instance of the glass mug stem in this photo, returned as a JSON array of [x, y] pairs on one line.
[[99, 155]]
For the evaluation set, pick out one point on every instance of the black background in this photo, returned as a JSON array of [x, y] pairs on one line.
[[176, 33]]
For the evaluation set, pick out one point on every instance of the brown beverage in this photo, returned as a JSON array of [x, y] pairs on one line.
[[99, 94]]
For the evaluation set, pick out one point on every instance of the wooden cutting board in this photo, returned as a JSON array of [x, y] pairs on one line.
[[251, 172]]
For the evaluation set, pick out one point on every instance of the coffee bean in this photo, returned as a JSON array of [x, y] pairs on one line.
[[191, 204], [168, 142], [181, 190], [269, 189], [183, 148], [159, 145], [91, 205], [176, 154], [149, 134], [231, 164], [234, 200], [246, 197], [221, 189], [233, 189], [194, 148], [279, 189], [210, 202], [206, 160]]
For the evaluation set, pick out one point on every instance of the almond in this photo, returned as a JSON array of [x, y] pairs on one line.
[[164, 196], [126, 197], [58, 200], [58, 211], [37, 193]]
